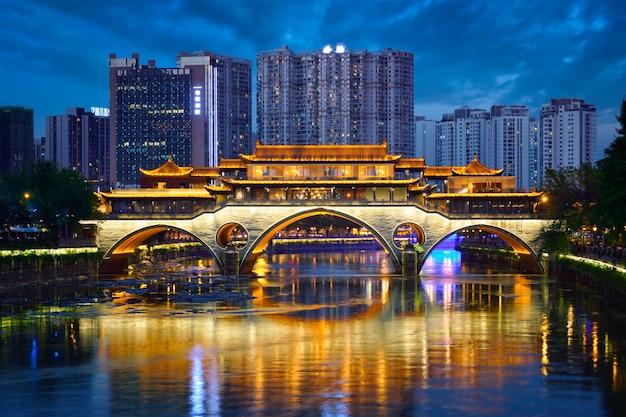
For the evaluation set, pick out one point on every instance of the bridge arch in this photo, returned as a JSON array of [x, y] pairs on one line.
[[116, 258], [255, 249], [529, 259], [420, 235]]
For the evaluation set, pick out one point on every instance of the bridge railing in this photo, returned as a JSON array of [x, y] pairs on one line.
[[327, 202]]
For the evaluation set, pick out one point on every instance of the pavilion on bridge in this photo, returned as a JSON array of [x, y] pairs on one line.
[[359, 174]]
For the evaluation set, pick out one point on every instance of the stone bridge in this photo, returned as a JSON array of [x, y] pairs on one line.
[[118, 238]]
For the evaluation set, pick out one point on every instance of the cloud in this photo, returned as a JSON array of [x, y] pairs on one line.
[[476, 53]]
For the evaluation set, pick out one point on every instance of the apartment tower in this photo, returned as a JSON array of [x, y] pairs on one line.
[[79, 140], [16, 138], [195, 113], [567, 134], [336, 96]]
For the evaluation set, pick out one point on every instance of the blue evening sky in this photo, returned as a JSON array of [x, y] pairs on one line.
[[54, 53]]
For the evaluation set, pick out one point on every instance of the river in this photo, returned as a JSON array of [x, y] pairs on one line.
[[325, 334]]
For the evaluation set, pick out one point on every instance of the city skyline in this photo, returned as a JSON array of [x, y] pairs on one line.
[[479, 54]]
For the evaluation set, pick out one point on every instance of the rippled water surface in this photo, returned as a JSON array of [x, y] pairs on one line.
[[325, 335]]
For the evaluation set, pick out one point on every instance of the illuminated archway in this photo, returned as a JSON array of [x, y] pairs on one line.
[[528, 258], [226, 232], [408, 232], [251, 255], [116, 259]]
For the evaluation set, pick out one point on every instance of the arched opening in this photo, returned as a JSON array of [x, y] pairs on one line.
[[408, 233], [117, 258], [258, 247], [484, 241], [232, 233]]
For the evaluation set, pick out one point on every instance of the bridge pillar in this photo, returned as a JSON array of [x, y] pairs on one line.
[[231, 260], [409, 261]]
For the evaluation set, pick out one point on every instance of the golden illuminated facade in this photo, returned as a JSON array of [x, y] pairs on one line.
[[332, 174]]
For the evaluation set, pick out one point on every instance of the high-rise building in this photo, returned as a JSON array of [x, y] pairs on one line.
[[194, 113], [567, 134], [462, 136], [512, 144], [17, 138], [505, 137], [445, 136], [426, 139], [336, 96], [222, 107], [79, 140]]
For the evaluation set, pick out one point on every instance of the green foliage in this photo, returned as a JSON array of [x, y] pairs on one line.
[[572, 196], [51, 198], [612, 186], [556, 241], [610, 275]]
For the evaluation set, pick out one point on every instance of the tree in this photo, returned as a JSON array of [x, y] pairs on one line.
[[55, 199], [572, 196], [612, 185]]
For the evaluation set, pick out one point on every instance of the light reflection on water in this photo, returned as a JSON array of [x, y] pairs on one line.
[[327, 335]]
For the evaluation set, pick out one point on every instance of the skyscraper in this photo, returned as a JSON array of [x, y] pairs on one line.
[[336, 96], [194, 113], [222, 107], [16, 138], [79, 140], [462, 136], [505, 137], [426, 139], [512, 144], [567, 134]]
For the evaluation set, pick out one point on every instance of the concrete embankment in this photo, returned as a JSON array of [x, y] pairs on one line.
[[607, 279]]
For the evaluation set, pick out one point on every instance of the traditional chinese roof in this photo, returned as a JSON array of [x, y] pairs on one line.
[[321, 183], [320, 153], [209, 172], [437, 171], [232, 164], [168, 169], [440, 196], [476, 168], [473, 168], [411, 163], [425, 188], [178, 193], [218, 189]]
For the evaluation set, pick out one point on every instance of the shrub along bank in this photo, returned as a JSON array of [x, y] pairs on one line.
[[42, 259], [606, 279]]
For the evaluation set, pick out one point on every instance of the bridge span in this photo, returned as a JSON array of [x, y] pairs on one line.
[[119, 237]]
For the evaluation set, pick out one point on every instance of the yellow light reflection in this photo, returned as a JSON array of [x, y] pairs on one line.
[[545, 332]]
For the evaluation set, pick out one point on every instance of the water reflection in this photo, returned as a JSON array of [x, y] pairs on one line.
[[345, 342]]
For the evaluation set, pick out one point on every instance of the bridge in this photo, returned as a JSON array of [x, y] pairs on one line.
[[119, 237]]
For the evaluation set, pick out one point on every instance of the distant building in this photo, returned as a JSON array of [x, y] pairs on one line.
[[567, 134], [336, 96], [79, 140], [223, 114], [505, 137], [17, 138], [444, 132], [426, 139], [462, 135], [512, 144], [196, 113]]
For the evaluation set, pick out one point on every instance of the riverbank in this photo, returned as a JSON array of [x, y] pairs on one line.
[[82, 261], [607, 279]]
